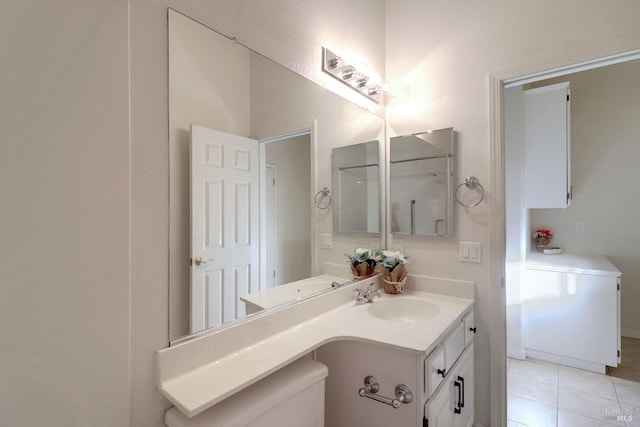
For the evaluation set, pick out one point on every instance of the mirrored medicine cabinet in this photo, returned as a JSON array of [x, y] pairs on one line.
[[421, 183]]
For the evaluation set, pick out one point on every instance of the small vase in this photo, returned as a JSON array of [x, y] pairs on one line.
[[362, 270], [395, 280], [541, 243]]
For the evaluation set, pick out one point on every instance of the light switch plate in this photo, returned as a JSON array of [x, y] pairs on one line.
[[471, 252]]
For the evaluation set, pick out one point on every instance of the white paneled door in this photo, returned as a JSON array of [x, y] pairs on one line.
[[224, 225]]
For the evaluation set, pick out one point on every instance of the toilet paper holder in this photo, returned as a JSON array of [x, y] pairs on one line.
[[372, 387]]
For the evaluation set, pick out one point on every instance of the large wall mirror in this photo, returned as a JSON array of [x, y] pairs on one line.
[[238, 124], [356, 187], [421, 183]]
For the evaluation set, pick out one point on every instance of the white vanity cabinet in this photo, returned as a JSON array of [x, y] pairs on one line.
[[451, 401], [390, 339], [547, 147], [441, 381]]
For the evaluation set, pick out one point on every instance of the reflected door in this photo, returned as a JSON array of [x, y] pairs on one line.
[[271, 224], [224, 225]]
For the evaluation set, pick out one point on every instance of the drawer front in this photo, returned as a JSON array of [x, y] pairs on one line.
[[469, 329], [434, 371], [453, 346]]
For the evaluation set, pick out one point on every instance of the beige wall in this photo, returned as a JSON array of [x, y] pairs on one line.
[[64, 221], [605, 176]]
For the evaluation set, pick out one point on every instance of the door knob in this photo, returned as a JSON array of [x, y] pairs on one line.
[[200, 261]]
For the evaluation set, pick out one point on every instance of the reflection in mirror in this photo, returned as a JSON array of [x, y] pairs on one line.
[[356, 187], [235, 96], [421, 183]]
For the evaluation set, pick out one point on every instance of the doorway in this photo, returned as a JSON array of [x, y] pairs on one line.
[[286, 182], [499, 361]]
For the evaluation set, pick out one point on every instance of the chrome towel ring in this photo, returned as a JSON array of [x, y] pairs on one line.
[[471, 182], [324, 192]]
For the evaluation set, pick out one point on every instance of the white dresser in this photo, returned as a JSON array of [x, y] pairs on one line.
[[571, 308]]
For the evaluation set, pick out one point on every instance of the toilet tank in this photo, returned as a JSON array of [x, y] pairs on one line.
[[292, 396]]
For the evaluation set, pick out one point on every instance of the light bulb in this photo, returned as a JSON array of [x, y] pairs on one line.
[[347, 74]]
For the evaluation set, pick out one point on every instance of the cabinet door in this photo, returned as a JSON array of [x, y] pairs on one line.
[[453, 403], [547, 162], [580, 309], [465, 376], [439, 409]]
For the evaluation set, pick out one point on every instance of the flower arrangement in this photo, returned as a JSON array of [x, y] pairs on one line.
[[542, 237], [391, 259], [393, 270], [363, 262]]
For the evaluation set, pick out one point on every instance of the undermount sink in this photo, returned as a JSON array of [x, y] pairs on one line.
[[404, 309]]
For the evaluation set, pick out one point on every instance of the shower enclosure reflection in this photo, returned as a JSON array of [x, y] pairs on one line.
[[356, 186], [421, 176]]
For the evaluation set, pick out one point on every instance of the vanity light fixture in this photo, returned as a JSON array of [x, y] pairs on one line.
[[349, 74]]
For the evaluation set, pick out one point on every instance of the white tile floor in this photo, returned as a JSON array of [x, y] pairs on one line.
[[542, 394]]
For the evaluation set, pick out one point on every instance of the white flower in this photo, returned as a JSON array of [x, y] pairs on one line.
[[392, 259], [361, 255], [396, 255]]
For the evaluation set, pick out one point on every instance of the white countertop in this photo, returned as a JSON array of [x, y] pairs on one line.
[[572, 263], [195, 386], [291, 291]]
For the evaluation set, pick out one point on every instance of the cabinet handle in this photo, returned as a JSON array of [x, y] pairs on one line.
[[442, 372], [458, 409], [473, 329], [461, 379]]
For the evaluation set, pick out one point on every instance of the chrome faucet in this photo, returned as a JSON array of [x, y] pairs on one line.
[[364, 296]]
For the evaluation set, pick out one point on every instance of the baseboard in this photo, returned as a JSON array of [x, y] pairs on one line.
[[517, 353], [631, 333], [566, 361]]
